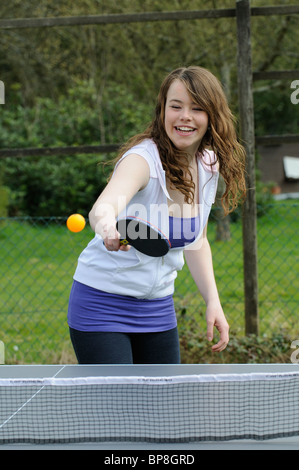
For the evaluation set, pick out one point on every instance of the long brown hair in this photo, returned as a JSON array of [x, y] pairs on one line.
[[207, 92]]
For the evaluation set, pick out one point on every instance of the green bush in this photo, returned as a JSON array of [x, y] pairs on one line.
[[49, 186], [54, 186], [195, 349]]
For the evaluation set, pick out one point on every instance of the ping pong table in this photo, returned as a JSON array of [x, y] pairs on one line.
[[144, 377]]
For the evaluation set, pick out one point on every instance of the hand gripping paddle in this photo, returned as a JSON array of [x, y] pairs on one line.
[[143, 236]]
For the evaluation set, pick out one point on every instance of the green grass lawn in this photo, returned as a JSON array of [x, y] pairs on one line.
[[38, 258]]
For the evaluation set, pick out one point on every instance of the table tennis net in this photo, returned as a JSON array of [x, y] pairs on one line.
[[150, 409]]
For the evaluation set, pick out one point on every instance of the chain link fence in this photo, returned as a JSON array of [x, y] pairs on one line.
[[39, 255]]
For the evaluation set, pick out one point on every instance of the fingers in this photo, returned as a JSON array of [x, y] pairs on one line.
[[223, 341], [220, 346], [112, 241], [115, 246], [112, 244], [223, 329], [125, 247]]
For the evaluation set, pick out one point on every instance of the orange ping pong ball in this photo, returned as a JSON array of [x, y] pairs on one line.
[[75, 223]]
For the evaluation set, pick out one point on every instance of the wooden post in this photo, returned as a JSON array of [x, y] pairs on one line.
[[247, 135]]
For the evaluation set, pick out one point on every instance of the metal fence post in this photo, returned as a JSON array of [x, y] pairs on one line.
[[247, 134]]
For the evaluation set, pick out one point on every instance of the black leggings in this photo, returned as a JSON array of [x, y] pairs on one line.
[[126, 348]]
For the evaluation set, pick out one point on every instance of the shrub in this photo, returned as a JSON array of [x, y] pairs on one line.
[[50, 186], [195, 349]]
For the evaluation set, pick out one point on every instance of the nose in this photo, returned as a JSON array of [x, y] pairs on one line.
[[185, 114]]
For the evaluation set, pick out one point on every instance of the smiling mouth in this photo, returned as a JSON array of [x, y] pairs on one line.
[[185, 130]]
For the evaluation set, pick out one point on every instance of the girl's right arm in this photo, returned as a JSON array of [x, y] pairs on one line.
[[131, 175]]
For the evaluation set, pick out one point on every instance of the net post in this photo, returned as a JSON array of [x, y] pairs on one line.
[[246, 112]]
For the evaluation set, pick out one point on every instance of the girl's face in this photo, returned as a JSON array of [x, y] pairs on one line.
[[185, 122]]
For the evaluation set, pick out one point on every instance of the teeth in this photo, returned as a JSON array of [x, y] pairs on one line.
[[185, 129]]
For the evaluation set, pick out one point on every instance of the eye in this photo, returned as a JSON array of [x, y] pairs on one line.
[[175, 106], [197, 107]]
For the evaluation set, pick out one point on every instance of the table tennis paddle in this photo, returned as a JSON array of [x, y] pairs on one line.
[[143, 236]]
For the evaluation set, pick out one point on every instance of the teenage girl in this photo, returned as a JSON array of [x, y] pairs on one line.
[[121, 304]]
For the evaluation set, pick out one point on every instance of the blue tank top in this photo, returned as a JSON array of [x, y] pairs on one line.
[[183, 231], [94, 310]]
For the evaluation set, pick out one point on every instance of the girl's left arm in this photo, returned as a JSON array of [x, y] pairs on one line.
[[199, 261]]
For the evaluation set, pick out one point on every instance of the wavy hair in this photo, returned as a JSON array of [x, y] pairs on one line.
[[206, 91]]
